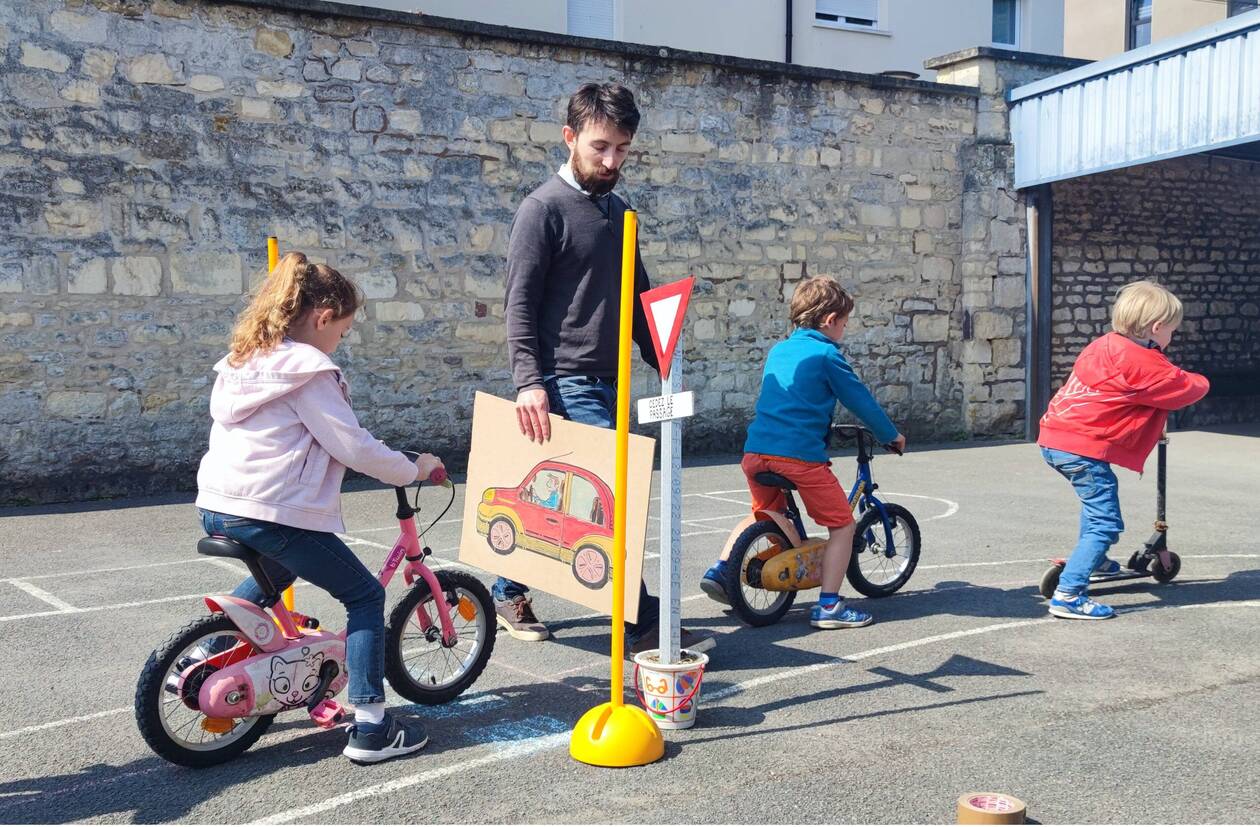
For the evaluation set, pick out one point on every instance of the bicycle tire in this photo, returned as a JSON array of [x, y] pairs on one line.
[[872, 521], [735, 567], [149, 696], [400, 677]]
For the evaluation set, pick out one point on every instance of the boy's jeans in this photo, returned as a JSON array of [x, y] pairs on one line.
[[288, 553], [587, 400], [1099, 491]]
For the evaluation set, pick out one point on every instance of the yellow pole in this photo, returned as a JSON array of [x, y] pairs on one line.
[[613, 734], [273, 258]]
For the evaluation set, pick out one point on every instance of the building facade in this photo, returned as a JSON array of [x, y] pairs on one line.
[[1097, 29], [870, 36]]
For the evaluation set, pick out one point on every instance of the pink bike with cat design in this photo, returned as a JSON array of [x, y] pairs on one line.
[[211, 690]]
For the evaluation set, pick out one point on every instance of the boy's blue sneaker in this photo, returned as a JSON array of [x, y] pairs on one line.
[[714, 583], [1079, 607], [838, 616], [1107, 568]]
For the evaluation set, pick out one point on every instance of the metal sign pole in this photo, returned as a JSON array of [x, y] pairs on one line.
[[671, 518]]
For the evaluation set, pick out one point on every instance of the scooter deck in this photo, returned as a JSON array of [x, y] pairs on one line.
[[795, 569], [1123, 574]]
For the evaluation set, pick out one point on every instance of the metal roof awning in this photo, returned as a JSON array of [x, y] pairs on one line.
[[1194, 93]]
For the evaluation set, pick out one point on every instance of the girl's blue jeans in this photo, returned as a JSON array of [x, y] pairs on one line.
[[322, 559], [1099, 492]]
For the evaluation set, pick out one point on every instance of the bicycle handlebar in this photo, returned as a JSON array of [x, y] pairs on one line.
[[863, 435]]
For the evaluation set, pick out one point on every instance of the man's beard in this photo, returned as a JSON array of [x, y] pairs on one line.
[[590, 179]]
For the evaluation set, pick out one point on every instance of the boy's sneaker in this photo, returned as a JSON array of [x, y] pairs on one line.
[[714, 583], [838, 616], [391, 738], [1107, 568], [516, 615], [1079, 607]]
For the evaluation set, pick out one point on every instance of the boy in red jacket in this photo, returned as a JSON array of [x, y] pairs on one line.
[[1113, 409]]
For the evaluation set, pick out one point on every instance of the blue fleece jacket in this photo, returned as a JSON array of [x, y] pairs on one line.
[[805, 376]]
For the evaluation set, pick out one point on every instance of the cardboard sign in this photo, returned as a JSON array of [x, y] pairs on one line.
[[542, 515]]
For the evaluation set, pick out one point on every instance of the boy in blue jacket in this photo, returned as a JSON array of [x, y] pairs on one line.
[[804, 377]]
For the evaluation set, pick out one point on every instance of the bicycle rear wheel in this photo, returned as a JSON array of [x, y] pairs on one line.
[[879, 567], [754, 605]]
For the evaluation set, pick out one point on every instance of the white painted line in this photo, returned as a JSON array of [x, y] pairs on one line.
[[128, 605], [108, 569], [235, 568], [516, 750], [951, 506], [66, 722], [40, 594]]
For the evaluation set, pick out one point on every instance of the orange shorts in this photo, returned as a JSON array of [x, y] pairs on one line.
[[820, 491]]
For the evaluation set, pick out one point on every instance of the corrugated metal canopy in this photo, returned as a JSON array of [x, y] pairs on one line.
[[1189, 94]]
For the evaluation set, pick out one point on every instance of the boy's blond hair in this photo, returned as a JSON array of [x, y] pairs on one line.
[[1141, 304], [816, 298]]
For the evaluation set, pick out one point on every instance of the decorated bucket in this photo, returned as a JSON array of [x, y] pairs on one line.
[[670, 692]]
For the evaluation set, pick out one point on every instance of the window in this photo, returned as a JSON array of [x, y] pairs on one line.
[[591, 18], [546, 489], [863, 14], [1140, 22], [584, 502], [1006, 23], [1241, 7]]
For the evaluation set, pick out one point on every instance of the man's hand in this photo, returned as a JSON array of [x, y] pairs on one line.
[[426, 464], [531, 415], [899, 444]]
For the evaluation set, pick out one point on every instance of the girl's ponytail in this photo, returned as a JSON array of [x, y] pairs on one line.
[[294, 287]]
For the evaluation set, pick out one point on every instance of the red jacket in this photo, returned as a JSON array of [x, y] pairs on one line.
[[1114, 405]]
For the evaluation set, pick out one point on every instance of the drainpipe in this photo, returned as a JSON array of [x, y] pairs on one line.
[[788, 57]]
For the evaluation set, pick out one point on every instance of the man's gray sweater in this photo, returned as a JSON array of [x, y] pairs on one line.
[[563, 286]]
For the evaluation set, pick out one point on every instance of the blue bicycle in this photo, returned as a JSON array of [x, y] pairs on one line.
[[773, 557]]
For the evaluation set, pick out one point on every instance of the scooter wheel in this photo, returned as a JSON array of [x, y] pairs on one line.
[[1163, 575], [1050, 581]]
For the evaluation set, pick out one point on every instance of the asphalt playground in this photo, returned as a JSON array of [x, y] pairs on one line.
[[964, 682]]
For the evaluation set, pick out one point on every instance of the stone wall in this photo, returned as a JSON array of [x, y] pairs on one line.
[[148, 148], [1189, 223]]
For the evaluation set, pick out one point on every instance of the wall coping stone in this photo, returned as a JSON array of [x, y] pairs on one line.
[[993, 53], [321, 8]]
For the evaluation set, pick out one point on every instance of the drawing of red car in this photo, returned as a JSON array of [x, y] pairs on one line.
[[560, 511]]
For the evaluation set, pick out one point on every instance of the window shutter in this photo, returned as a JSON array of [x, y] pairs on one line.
[[857, 9], [591, 18]]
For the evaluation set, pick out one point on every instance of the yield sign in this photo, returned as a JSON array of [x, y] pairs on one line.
[[665, 307]]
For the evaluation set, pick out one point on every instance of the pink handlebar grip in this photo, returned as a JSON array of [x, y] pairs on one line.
[[438, 476]]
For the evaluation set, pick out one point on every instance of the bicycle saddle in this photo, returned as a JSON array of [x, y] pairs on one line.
[[223, 547], [774, 480]]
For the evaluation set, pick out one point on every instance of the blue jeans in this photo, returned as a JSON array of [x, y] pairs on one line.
[[1099, 492], [289, 553], [587, 400]]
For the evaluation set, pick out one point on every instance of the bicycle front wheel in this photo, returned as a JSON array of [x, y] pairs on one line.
[[419, 665], [884, 554]]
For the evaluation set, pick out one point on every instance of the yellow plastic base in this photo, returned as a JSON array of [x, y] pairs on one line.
[[621, 736]]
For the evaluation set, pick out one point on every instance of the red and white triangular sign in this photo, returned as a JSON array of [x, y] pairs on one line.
[[665, 307]]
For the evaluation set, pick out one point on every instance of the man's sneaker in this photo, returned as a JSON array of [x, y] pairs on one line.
[[392, 738], [1107, 568], [838, 616], [714, 583], [516, 615], [1079, 607], [687, 639]]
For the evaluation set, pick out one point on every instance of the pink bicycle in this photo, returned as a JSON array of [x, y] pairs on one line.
[[211, 690]]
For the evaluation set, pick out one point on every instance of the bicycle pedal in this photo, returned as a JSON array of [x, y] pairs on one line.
[[327, 714]]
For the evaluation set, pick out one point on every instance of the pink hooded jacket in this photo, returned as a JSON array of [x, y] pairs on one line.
[[282, 438]]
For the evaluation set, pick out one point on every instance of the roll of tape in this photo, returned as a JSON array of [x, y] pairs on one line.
[[990, 808]]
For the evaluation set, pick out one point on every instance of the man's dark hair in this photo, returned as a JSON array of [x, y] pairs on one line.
[[608, 102]]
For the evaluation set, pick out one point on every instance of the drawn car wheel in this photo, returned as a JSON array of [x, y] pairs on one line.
[[590, 567], [501, 535]]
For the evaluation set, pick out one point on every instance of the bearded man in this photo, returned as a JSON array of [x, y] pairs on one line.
[[562, 306]]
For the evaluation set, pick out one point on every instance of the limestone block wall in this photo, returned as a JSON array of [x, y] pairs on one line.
[[1189, 223], [148, 148]]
